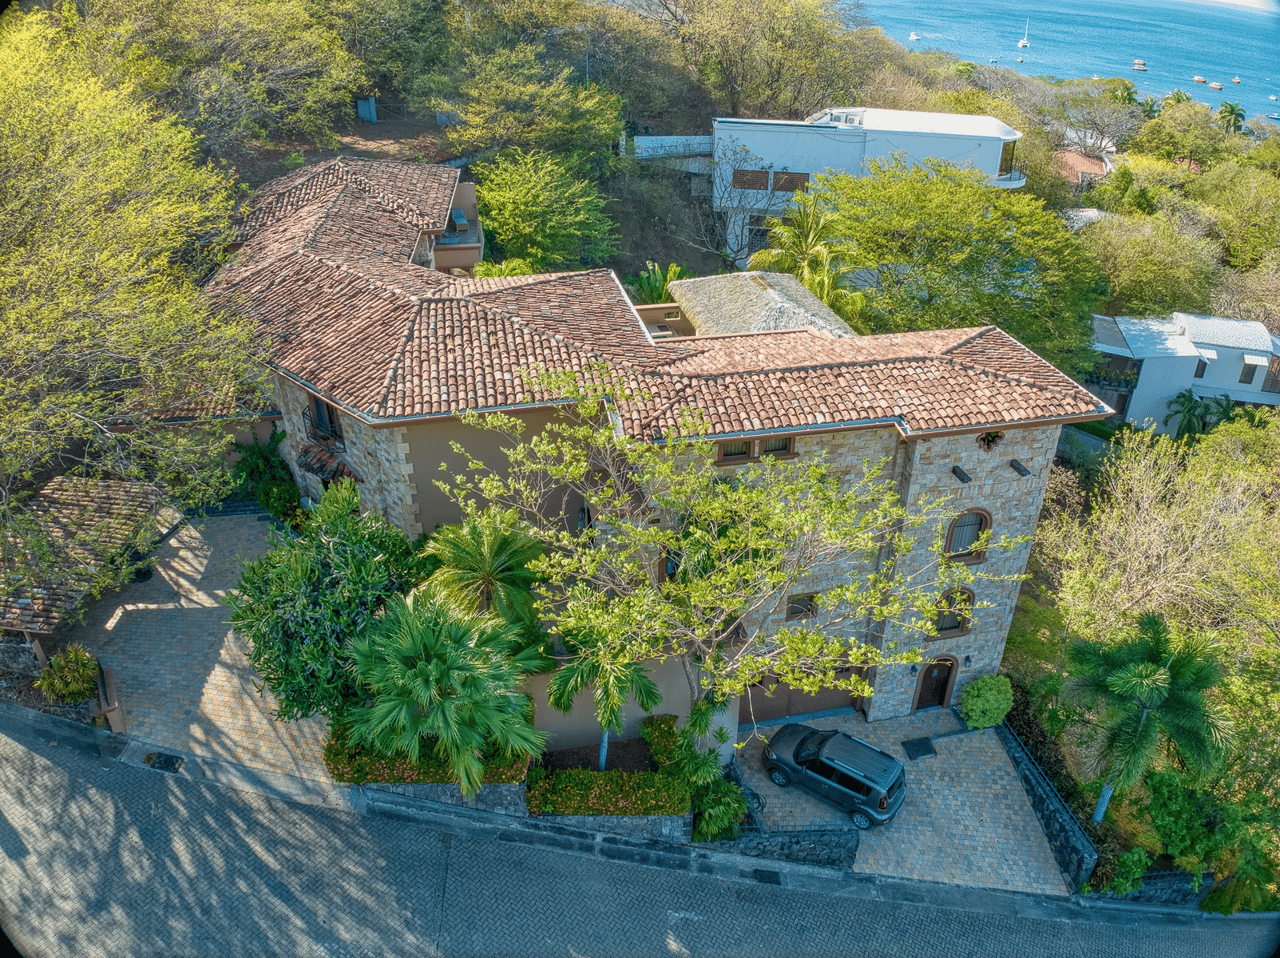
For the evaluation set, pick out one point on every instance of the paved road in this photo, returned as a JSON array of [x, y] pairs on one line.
[[127, 861]]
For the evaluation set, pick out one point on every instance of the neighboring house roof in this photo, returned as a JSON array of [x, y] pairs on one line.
[[895, 121], [1076, 167], [753, 302], [354, 321], [1180, 334], [85, 522], [1081, 216]]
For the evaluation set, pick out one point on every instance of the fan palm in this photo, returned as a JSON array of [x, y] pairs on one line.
[[1153, 688], [1219, 409], [484, 566], [1231, 117], [440, 677], [612, 678], [1190, 411]]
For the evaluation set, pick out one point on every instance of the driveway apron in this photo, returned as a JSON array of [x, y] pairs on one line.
[[965, 820], [181, 672]]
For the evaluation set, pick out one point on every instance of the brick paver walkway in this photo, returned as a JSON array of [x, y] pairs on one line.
[[966, 819], [181, 673]]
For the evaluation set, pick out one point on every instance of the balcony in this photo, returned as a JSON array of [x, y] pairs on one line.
[[1011, 180]]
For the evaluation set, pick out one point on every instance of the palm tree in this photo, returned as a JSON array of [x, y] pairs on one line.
[[1218, 410], [1190, 411], [1153, 690], [437, 675], [1231, 117], [484, 566], [1177, 96], [612, 678], [801, 245], [508, 267]]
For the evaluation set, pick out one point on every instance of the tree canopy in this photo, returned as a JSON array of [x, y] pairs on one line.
[[943, 250], [683, 560], [106, 223], [537, 208]]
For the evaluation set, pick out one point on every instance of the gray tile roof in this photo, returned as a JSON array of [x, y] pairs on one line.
[[753, 302]]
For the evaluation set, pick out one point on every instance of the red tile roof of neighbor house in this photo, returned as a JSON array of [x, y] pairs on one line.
[[84, 523], [326, 273]]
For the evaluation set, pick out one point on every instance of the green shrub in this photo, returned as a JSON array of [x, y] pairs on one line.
[[71, 676], [581, 792], [356, 765], [664, 741], [1130, 868], [719, 810], [281, 498], [986, 701], [293, 161]]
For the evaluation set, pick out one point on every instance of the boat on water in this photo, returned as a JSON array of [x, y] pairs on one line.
[[1197, 79], [1019, 59], [1139, 63], [1024, 42], [1273, 116], [1235, 79], [1272, 97], [1140, 67], [914, 36], [1215, 86]]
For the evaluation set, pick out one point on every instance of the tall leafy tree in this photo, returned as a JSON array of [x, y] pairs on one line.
[[681, 562], [107, 222], [442, 679], [536, 207], [613, 678], [1152, 266], [232, 70], [1152, 688], [946, 250]]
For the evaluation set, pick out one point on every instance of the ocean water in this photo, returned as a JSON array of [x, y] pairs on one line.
[[1178, 39]]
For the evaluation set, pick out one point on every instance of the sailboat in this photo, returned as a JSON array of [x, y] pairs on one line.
[[1024, 42]]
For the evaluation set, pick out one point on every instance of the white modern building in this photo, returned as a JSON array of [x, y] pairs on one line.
[[755, 165], [1150, 360]]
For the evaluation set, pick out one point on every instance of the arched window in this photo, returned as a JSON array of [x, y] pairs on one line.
[[964, 534], [955, 613]]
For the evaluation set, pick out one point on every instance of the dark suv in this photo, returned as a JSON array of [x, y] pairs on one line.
[[847, 772]]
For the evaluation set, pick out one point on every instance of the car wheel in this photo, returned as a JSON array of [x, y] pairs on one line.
[[860, 820], [779, 777]]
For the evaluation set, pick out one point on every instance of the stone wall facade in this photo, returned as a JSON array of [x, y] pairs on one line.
[[1071, 847], [379, 456], [1013, 501]]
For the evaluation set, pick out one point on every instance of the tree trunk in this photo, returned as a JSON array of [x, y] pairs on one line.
[[1103, 800], [604, 747]]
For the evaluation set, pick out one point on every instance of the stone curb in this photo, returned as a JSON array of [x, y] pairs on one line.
[[110, 748]]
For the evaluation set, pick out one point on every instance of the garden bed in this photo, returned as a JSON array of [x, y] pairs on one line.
[[20, 690], [357, 765], [630, 755]]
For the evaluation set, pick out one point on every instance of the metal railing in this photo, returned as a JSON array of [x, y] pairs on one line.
[[323, 433]]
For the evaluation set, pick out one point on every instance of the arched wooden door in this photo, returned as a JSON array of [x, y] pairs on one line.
[[935, 685]]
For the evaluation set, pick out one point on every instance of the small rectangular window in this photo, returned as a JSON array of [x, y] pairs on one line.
[[790, 182], [1247, 374], [1271, 383], [733, 451], [750, 179], [784, 446], [802, 606], [1201, 367]]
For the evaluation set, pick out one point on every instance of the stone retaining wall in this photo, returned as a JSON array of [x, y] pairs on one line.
[[836, 848], [502, 799], [676, 829], [1072, 848], [1163, 888]]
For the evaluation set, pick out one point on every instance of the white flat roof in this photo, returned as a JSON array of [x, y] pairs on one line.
[[1148, 336], [1220, 331], [903, 121], [1183, 334]]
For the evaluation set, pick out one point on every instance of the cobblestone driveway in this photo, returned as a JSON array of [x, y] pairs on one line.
[[181, 673], [965, 820]]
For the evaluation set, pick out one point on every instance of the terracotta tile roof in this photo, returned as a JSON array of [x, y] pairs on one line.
[[86, 522], [354, 320], [324, 462]]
